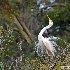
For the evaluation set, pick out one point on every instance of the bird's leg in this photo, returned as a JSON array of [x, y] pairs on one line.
[[53, 54], [48, 56], [46, 51]]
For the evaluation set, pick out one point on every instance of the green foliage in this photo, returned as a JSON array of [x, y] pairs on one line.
[[10, 46], [60, 14], [1, 66]]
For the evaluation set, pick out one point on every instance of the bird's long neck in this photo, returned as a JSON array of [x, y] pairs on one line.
[[47, 27], [42, 31]]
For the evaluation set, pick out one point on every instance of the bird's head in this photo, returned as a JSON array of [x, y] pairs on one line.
[[50, 21], [48, 17]]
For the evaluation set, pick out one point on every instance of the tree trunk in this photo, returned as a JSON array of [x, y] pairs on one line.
[[23, 30]]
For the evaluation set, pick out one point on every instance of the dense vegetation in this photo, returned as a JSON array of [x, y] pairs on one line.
[[20, 23]]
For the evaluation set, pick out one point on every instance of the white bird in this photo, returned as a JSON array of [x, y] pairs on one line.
[[45, 43]]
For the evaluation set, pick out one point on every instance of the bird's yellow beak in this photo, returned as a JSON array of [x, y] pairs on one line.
[[48, 17]]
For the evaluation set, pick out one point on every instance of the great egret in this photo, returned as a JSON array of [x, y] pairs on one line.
[[45, 43]]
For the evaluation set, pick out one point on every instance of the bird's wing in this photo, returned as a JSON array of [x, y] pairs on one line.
[[47, 43], [48, 46]]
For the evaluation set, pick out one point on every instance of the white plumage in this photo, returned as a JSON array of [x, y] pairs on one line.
[[45, 43]]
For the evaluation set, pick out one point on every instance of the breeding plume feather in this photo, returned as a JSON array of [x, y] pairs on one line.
[[45, 43]]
